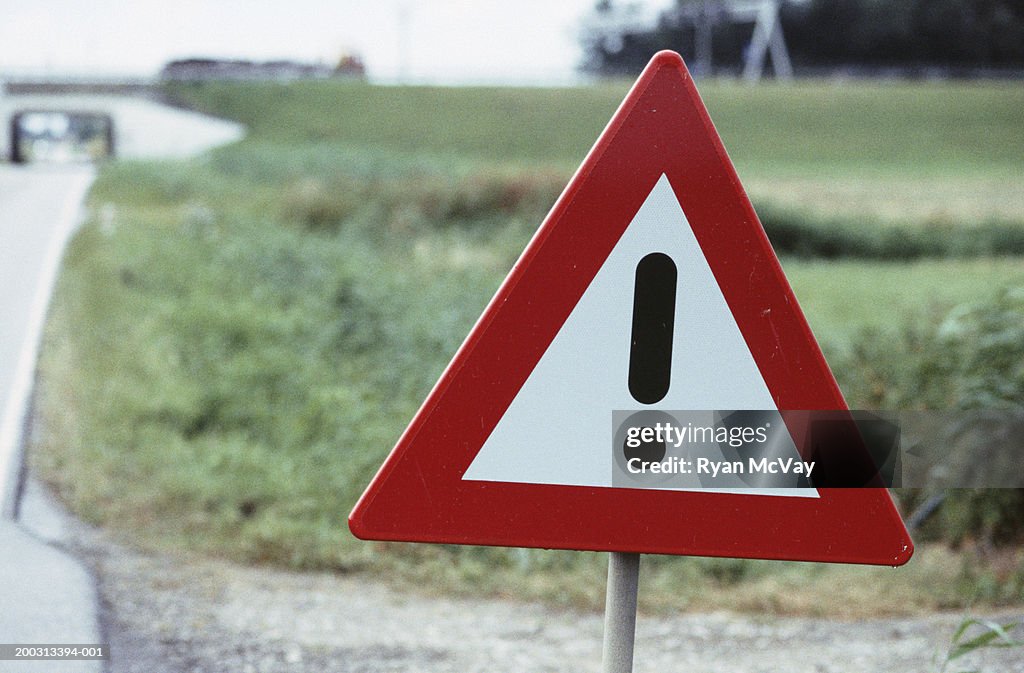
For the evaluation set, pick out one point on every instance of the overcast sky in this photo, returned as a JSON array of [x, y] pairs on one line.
[[432, 40]]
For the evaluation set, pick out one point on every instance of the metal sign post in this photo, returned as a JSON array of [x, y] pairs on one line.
[[620, 612]]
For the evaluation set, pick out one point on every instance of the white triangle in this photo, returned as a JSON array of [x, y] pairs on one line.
[[568, 399]]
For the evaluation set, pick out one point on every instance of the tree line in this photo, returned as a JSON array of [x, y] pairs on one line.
[[954, 36]]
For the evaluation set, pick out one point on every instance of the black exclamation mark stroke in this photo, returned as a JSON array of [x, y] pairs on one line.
[[654, 310]]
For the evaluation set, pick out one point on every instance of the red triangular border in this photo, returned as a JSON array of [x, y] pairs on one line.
[[419, 495]]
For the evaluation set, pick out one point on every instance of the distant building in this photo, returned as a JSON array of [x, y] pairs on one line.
[[206, 69]]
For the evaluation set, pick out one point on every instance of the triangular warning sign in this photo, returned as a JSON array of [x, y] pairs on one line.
[[513, 445]]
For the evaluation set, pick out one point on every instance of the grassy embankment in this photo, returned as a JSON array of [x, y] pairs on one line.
[[237, 341]]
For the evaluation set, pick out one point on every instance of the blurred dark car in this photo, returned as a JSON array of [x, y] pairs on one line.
[[61, 136]]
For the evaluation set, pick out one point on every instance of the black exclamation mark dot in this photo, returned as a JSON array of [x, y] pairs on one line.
[[654, 310]]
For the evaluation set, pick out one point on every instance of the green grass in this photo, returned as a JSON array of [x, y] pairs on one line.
[[923, 129], [865, 128], [841, 299], [894, 151], [237, 341]]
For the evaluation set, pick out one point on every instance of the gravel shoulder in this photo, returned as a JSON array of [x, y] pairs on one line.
[[164, 614]]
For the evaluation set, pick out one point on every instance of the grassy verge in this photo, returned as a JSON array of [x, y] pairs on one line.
[[920, 129], [237, 341], [843, 299], [892, 152]]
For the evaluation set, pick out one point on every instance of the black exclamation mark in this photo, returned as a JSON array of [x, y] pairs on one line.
[[654, 310]]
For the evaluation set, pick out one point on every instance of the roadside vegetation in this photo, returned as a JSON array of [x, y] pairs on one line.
[[237, 341]]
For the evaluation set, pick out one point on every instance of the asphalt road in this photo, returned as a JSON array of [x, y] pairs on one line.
[[46, 596], [39, 207]]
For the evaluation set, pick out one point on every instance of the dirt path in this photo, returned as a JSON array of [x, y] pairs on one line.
[[164, 615]]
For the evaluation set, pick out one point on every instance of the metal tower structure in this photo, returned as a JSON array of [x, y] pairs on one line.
[[613, 21]]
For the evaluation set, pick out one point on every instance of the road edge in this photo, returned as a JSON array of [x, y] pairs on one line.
[[14, 422]]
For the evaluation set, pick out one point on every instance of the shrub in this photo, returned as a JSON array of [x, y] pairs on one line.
[[802, 235], [972, 359]]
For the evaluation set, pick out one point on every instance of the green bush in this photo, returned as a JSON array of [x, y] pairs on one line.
[[800, 235], [971, 359]]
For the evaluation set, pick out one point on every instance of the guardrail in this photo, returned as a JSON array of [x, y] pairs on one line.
[[70, 84]]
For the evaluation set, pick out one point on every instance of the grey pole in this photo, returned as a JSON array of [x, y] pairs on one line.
[[702, 40], [620, 612]]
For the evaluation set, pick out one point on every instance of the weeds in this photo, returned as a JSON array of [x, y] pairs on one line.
[[977, 634]]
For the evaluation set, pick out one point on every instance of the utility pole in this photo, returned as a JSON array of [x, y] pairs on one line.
[[703, 29]]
